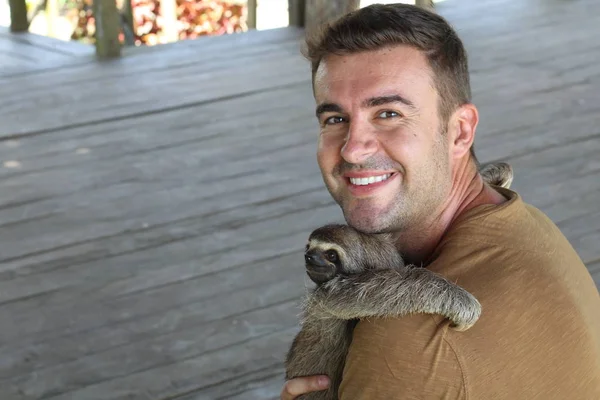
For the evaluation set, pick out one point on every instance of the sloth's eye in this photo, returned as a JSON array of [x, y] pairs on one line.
[[331, 255]]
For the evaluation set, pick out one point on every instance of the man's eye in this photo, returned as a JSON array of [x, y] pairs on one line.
[[388, 114], [333, 120]]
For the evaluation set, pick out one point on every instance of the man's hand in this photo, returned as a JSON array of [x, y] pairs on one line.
[[306, 384]]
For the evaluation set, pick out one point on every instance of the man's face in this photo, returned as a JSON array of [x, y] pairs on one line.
[[381, 149]]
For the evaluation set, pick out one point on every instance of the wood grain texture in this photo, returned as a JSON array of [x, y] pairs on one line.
[[24, 52], [152, 219]]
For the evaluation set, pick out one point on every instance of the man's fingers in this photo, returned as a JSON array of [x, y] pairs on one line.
[[306, 384]]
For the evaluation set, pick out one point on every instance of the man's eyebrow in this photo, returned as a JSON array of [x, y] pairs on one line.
[[371, 102], [328, 107], [380, 100]]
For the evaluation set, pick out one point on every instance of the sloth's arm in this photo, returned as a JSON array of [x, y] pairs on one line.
[[393, 293]]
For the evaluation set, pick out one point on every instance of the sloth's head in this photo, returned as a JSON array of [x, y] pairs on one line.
[[341, 250]]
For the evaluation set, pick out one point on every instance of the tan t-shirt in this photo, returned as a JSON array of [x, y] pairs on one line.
[[538, 336]]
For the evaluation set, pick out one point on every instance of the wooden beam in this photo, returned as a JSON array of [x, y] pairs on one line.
[[296, 12], [108, 27], [18, 16], [428, 4], [127, 21], [168, 11], [319, 12], [251, 14], [51, 17]]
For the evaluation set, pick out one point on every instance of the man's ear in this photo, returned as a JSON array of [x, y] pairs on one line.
[[461, 130]]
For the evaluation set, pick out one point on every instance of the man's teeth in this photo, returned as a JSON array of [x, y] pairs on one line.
[[369, 180]]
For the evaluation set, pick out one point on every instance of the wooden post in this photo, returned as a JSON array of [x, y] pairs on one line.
[[296, 12], [128, 26], [51, 17], [428, 4], [168, 12], [251, 14], [108, 27], [319, 12], [18, 16]]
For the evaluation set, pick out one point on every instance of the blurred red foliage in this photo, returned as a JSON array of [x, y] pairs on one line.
[[194, 18]]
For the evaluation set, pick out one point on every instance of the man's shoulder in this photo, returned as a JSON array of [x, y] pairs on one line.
[[506, 224], [512, 250], [532, 287], [505, 238]]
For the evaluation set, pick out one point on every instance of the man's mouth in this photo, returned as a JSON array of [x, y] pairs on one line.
[[369, 179]]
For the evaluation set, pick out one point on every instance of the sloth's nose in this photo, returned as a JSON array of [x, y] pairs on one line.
[[314, 259]]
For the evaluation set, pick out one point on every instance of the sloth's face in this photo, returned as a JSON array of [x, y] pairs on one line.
[[322, 262]]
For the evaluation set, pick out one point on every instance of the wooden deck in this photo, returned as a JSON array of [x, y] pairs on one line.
[[154, 208], [26, 52]]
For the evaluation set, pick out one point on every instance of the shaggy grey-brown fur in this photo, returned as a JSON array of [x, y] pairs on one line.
[[498, 174]]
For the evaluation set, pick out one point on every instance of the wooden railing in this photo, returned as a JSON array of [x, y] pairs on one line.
[[112, 21]]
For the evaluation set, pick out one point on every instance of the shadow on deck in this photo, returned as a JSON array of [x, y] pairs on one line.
[[154, 208]]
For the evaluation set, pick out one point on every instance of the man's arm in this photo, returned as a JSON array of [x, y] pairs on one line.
[[406, 358]]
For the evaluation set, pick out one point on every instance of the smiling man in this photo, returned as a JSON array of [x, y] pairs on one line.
[[397, 127]]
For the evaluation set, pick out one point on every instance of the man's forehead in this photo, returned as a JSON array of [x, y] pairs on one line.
[[372, 71], [385, 61]]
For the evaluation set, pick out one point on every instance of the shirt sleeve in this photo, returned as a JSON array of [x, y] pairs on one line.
[[405, 358]]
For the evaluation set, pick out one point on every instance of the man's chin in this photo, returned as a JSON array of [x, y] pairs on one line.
[[366, 223], [368, 215]]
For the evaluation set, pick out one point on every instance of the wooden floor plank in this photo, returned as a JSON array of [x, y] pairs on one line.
[[231, 307], [157, 351], [586, 223], [121, 216], [206, 124], [29, 52], [144, 169], [596, 276], [135, 236], [22, 53], [164, 264], [71, 48], [142, 59], [162, 89], [594, 268], [53, 279], [79, 252], [587, 246], [261, 384], [193, 373], [51, 321]]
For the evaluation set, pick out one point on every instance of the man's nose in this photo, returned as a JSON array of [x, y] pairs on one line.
[[361, 143]]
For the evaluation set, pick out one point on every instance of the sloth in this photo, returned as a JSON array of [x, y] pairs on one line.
[[497, 174], [362, 275]]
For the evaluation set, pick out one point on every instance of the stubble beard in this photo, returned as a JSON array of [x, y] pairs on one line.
[[367, 217], [410, 206]]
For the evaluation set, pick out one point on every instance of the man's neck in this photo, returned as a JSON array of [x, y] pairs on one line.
[[468, 191]]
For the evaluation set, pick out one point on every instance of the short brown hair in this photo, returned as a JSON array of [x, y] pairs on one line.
[[378, 26]]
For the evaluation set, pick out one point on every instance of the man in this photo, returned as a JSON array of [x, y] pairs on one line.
[[397, 127]]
